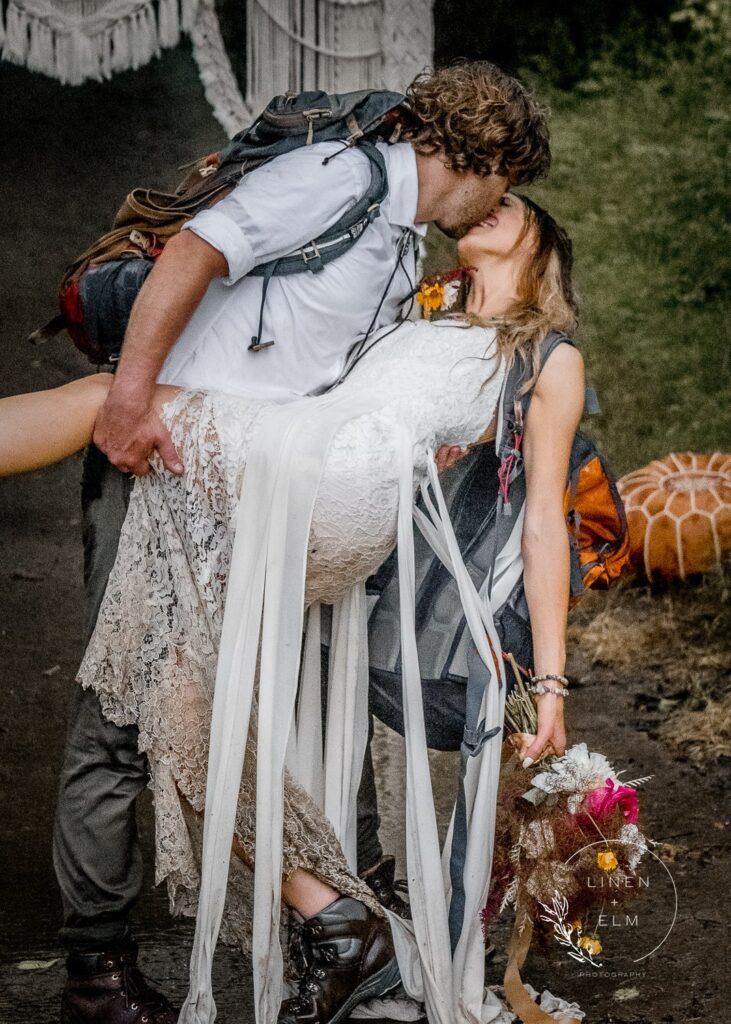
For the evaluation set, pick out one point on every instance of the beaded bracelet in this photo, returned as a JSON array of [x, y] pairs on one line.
[[548, 677], [560, 691]]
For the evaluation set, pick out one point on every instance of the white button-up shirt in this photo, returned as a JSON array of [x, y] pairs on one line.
[[314, 319]]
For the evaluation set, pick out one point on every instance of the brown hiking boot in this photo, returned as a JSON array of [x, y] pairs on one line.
[[107, 988], [349, 958], [391, 894]]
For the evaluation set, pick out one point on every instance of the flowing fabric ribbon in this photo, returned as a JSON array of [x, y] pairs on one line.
[[518, 997], [263, 618]]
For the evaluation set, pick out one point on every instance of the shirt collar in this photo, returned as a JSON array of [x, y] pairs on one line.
[[403, 185]]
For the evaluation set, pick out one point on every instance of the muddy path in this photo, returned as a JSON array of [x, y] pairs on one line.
[[69, 157]]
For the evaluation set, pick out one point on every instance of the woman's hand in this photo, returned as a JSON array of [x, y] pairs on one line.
[[449, 456], [551, 735]]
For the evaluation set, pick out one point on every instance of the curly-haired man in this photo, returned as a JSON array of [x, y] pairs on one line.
[[483, 126], [469, 133]]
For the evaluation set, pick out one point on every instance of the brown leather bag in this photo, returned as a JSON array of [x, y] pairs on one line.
[[148, 218]]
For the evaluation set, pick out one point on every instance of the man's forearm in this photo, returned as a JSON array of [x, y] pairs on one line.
[[127, 429], [164, 306]]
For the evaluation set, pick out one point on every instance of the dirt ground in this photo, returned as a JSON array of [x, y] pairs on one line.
[[69, 155]]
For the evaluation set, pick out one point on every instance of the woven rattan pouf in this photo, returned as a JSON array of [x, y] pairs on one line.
[[679, 514]]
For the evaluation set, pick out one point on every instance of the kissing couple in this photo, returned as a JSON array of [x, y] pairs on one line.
[[233, 490]]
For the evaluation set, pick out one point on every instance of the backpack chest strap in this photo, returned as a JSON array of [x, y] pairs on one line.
[[337, 240], [317, 254]]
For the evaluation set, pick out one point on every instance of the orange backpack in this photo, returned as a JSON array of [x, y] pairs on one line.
[[596, 520]]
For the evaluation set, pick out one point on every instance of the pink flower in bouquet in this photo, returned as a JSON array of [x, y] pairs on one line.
[[602, 801]]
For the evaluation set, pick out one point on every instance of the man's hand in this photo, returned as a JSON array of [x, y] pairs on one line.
[[448, 456], [128, 431]]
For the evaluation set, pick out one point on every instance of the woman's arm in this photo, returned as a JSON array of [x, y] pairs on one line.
[[44, 427], [553, 416]]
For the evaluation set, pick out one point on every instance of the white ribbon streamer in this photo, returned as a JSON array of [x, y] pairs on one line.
[[264, 614]]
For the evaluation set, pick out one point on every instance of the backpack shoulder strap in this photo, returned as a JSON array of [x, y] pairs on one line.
[[552, 340], [512, 410], [332, 243]]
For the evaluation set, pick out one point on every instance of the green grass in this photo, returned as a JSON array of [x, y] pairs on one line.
[[640, 180]]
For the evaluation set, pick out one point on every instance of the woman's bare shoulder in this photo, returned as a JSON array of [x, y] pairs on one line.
[[563, 372]]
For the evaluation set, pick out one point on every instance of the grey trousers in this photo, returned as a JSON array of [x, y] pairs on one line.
[[96, 850]]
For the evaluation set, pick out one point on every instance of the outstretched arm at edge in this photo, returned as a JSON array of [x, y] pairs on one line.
[[128, 428], [43, 427]]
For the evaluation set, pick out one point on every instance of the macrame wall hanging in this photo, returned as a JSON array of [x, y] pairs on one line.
[[336, 45], [76, 40]]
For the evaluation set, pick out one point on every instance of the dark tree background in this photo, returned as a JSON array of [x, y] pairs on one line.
[[559, 38]]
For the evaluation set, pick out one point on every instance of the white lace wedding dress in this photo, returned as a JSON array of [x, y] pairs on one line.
[[153, 656]]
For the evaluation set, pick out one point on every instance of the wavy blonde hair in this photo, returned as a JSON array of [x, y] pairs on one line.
[[546, 299]]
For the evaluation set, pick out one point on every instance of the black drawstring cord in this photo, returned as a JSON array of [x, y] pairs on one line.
[[256, 343], [402, 247], [346, 145], [402, 250]]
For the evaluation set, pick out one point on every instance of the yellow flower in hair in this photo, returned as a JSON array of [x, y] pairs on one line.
[[606, 860], [592, 946], [430, 297]]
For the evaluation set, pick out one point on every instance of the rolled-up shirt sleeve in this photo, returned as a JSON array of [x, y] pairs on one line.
[[281, 206]]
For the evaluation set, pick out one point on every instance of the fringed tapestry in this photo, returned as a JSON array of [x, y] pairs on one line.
[[76, 40]]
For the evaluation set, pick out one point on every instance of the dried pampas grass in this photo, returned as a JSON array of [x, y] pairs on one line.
[[701, 735]]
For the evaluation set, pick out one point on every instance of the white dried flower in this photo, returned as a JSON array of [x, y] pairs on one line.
[[635, 844], [576, 773], [451, 294]]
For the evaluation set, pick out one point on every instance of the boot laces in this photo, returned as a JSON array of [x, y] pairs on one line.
[[394, 895], [137, 988], [312, 973], [300, 950]]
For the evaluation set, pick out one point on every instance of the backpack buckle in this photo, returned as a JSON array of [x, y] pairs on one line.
[[315, 114], [356, 132], [312, 257]]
